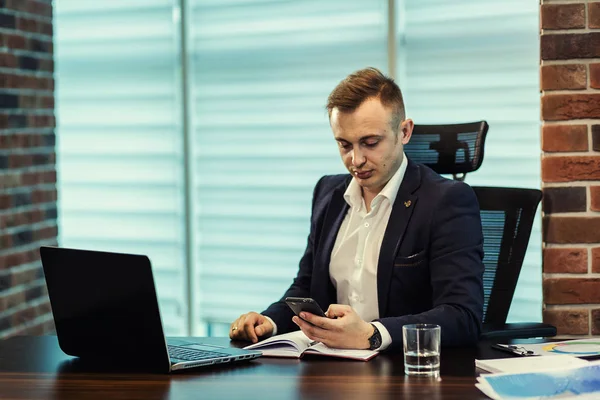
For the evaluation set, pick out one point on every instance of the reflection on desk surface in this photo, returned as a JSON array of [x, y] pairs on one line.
[[35, 368]]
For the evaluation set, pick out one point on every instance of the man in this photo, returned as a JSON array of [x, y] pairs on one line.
[[393, 243]]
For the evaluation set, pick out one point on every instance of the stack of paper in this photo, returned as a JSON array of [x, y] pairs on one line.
[[528, 364], [573, 382]]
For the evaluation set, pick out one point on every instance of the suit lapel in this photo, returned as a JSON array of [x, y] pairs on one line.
[[394, 233], [336, 211]]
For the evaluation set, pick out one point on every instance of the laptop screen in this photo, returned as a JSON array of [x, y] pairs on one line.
[[104, 304]]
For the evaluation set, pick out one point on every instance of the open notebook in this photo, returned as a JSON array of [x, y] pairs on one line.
[[296, 344]]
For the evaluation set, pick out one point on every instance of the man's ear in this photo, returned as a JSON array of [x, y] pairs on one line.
[[406, 127]]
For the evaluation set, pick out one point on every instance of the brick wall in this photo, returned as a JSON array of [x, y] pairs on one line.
[[27, 164], [570, 100]]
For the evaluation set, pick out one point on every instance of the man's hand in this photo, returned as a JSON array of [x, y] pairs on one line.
[[346, 331], [250, 326]]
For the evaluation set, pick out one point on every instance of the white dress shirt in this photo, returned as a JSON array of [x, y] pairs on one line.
[[353, 265]]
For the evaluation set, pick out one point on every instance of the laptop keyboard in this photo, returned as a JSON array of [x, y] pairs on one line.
[[181, 353]]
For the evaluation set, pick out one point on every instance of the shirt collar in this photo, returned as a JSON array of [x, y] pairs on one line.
[[353, 193]]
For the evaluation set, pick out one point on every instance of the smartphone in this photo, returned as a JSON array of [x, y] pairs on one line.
[[298, 304]]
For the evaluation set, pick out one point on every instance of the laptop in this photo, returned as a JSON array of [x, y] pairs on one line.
[[105, 308]]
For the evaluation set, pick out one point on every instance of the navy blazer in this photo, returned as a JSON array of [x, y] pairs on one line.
[[430, 267]]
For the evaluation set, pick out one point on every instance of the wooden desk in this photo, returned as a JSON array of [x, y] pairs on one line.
[[35, 368]]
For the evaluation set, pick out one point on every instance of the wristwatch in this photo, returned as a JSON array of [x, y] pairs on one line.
[[375, 339]]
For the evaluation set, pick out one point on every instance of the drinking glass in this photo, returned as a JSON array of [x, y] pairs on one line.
[[421, 349]]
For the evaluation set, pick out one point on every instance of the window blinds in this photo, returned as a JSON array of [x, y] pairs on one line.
[[119, 139], [469, 60], [261, 75]]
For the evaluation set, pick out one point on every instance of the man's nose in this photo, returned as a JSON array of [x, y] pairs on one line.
[[358, 158]]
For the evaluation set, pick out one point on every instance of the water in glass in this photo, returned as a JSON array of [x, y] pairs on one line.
[[422, 363]]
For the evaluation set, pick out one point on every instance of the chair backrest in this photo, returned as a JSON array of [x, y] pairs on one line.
[[449, 149], [507, 216]]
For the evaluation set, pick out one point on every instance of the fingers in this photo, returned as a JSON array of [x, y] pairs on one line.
[[321, 322], [338, 310], [233, 330], [264, 328], [311, 331], [249, 327]]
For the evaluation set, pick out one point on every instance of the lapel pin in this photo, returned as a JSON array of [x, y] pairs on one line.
[[407, 203]]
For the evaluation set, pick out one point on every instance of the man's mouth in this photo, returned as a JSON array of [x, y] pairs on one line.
[[363, 174]]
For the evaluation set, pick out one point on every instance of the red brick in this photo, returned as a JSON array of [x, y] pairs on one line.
[[567, 230], [557, 77], [556, 138], [568, 169], [14, 259], [10, 180], [596, 322], [568, 322], [38, 8], [560, 107], [596, 260], [26, 101], [571, 290], [27, 25], [16, 42], [562, 16], [596, 137], [14, 299], [595, 76], [20, 160], [561, 260], [5, 201], [9, 81], [570, 46], [46, 65], [17, 5], [31, 178], [594, 15], [37, 329], [50, 176], [44, 84], [27, 276], [23, 316], [564, 199], [8, 60], [595, 198], [45, 102], [50, 232], [5, 243]]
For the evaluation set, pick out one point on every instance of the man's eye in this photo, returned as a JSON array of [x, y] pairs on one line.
[[345, 146], [371, 144]]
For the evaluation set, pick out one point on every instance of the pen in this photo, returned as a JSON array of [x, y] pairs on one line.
[[516, 350]]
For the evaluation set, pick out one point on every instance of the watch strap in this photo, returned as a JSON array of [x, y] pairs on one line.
[[375, 339]]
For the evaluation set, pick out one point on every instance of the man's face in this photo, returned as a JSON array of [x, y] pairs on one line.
[[370, 149]]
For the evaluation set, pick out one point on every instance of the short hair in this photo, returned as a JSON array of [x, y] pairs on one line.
[[364, 84]]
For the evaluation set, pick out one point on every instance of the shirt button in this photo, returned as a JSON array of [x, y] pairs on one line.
[[366, 224]]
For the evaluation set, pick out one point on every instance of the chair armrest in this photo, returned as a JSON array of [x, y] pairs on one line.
[[521, 330]]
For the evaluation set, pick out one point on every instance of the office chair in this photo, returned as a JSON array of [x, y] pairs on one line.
[[454, 149], [507, 216]]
